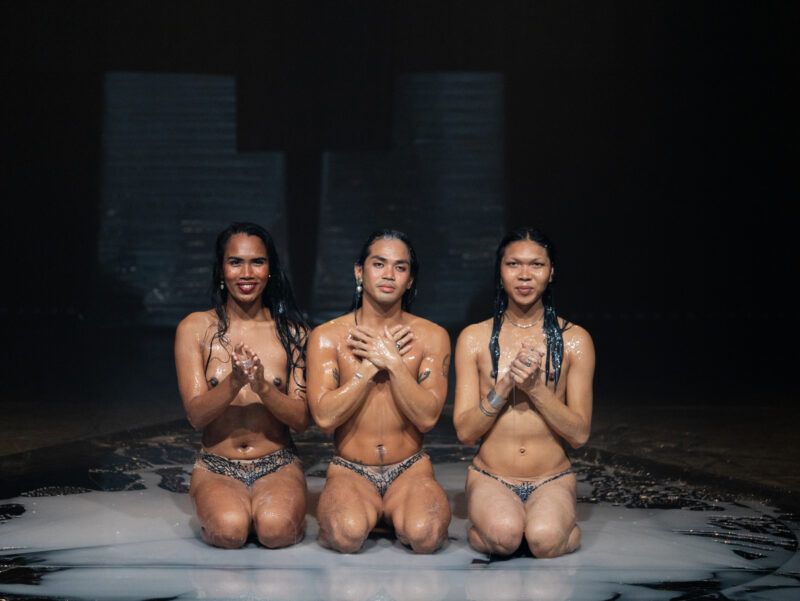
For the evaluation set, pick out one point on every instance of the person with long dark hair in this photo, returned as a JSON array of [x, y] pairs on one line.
[[241, 376], [523, 388], [377, 379]]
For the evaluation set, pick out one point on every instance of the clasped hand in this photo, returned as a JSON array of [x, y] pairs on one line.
[[386, 349], [248, 369], [526, 369]]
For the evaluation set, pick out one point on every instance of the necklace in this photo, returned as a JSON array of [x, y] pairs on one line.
[[523, 326]]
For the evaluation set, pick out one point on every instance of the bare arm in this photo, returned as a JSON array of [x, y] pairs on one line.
[[202, 405], [572, 421], [420, 398], [470, 422], [331, 401]]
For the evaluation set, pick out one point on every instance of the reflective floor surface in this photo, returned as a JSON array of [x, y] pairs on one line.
[[111, 519]]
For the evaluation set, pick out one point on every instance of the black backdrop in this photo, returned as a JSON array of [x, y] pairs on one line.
[[655, 141]]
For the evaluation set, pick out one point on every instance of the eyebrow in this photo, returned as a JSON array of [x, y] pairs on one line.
[[519, 260], [385, 260], [264, 257]]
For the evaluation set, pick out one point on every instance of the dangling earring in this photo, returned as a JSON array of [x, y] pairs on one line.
[[358, 287], [221, 285]]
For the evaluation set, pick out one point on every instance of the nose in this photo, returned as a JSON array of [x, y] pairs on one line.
[[247, 270]]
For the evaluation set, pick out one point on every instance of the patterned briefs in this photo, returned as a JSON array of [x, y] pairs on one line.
[[247, 471], [526, 488], [381, 476]]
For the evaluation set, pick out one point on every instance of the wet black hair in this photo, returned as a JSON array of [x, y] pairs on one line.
[[552, 331], [386, 234], [277, 297]]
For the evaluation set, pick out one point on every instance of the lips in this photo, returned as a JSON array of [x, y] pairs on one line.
[[246, 287], [524, 290], [386, 288]]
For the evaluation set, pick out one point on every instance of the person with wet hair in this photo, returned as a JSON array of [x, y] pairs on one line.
[[523, 389], [241, 377], [377, 379]]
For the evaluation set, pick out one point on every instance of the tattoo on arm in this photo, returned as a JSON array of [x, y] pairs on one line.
[[423, 376], [336, 376], [446, 365]]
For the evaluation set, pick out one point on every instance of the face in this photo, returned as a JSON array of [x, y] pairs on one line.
[[525, 272], [245, 267], [386, 273]]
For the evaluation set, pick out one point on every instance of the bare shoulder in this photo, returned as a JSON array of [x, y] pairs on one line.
[[475, 335], [198, 322], [426, 329], [575, 337], [330, 332]]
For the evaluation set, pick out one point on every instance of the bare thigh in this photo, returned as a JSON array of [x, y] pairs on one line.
[[223, 508], [348, 509], [550, 518], [496, 513], [417, 507], [278, 503]]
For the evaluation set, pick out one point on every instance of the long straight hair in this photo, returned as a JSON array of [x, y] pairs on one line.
[[552, 331]]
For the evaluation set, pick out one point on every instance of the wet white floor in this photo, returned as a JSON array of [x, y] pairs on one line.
[[145, 544]]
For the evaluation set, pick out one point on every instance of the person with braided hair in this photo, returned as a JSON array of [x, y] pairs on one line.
[[241, 376], [523, 388]]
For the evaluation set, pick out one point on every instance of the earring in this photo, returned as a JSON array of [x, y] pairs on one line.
[[358, 287], [221, 285]]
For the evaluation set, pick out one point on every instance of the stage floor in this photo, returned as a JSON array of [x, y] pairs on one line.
[[110, 518]]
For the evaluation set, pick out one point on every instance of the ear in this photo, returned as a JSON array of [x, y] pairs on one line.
[[358, 272], [410, 283], [552, 274]]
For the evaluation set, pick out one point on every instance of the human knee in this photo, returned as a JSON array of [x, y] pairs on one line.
[[345, 533], [276, 530], [502, 536], [547, 541], [227, 529], [425, 536]]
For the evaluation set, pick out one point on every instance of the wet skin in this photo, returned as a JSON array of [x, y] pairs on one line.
[[378, 401], [524, 441], [244, 407]]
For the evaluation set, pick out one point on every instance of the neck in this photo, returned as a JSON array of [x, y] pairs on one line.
[[371, 313], [525, 314], [254, 311]]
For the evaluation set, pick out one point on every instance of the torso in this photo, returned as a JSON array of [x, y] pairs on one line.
[[378, 433], [246, 429], [520, 444]]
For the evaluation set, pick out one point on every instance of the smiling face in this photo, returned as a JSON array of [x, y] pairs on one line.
[[386, 273], [245, 268], [525, 272]]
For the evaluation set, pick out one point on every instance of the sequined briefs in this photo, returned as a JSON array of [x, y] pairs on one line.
[[380, 476], [247, 471], [526, 488]]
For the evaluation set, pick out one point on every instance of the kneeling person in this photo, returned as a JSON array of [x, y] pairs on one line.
[[377, 378], [523, 387], [240, 373]]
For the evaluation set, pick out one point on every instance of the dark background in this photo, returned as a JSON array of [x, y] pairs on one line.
[[656, 142]]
